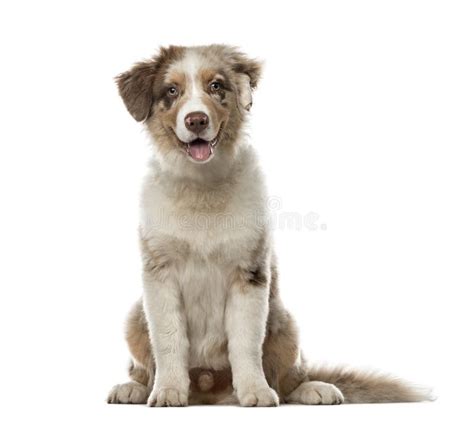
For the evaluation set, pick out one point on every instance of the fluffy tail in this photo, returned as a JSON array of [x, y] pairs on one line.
[[370, 387]]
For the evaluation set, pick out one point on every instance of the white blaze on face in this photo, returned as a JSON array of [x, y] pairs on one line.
[[190, 65]]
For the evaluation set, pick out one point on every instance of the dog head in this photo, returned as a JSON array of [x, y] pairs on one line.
[[193, 100]]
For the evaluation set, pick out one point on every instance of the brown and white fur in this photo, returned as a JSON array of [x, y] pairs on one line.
[[211, 328]]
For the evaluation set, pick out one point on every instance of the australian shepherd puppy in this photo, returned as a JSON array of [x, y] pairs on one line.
[[211, 327]]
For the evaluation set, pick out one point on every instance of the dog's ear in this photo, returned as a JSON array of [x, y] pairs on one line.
[[244, 91], [136, 85], [136, 88], [248, 75]]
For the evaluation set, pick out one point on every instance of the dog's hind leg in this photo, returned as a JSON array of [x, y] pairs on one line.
[[315, 392], [136, 391], [141, 370]]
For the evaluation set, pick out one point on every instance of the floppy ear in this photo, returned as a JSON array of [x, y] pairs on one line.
[[136, 88], [248, 74], [245, 91]]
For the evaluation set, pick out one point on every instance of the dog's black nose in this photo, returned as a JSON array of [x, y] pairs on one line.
[[196, 122]]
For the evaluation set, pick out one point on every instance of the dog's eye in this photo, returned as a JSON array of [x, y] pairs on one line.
[[172, 92], [215, 86]]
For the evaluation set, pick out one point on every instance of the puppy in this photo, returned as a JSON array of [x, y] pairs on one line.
[[211, 327]]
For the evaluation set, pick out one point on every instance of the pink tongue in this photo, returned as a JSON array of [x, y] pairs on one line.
[[200, 150]]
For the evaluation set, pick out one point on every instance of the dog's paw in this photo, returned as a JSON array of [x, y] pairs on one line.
[[128, 393], [261, 397], [167, 396], [315, 392]]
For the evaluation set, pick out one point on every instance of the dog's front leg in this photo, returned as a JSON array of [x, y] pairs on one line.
[[167, 327], [246, 317]]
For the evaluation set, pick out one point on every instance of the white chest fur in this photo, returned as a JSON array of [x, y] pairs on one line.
[[207, 234]]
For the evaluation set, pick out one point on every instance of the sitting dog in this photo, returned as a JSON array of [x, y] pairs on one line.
[[211, 327]]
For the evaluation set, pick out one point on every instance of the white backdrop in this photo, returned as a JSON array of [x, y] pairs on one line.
[[364, 117]]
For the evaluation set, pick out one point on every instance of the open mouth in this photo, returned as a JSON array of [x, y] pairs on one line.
[[200, 150]]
